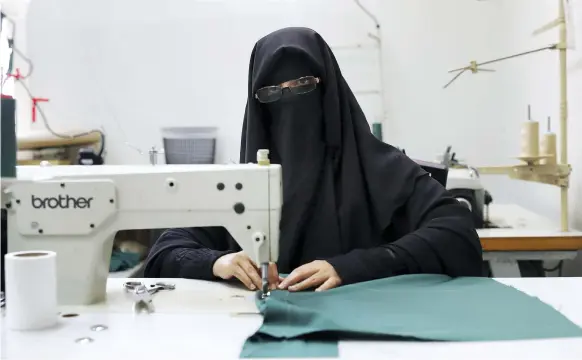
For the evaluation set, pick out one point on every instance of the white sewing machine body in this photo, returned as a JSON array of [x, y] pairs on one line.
[[77, 210], [464, 183]]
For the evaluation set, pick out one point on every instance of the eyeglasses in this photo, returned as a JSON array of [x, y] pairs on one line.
[[299, 86]]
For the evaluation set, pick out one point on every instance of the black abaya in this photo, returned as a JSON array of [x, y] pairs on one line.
[[348, 198]]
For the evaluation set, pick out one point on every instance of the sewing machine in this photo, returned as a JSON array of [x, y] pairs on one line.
[[77, 210], [464, 184]]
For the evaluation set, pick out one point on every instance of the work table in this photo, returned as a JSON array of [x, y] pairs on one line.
[[522, 230], [524, 235], [211, 320]]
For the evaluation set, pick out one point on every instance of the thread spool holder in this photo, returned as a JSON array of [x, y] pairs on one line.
[[152, 153], [552, 174]]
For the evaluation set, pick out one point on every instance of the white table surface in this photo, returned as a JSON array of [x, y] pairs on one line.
[[203, 320], [521, 223]]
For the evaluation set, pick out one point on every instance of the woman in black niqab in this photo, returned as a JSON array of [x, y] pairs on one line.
[[354, 208]]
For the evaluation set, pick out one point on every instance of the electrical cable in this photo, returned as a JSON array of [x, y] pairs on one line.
[[25, 58], [19, 79], [557, 267], [14, 51], [368, 13], [53, 132]]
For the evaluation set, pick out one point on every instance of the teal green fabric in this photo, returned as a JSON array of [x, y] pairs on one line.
[[290, 348], [121, 260], [410, 307], [377, 130]]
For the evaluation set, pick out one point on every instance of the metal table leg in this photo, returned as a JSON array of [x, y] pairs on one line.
[[504, 268]]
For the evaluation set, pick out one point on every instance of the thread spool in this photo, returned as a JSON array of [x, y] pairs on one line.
[[263, 157], [530, 137], [31, 290], [530, 144], [549, 146]]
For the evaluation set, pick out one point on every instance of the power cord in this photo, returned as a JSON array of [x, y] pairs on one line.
[[53, 132], [557, 267], [19, 79]]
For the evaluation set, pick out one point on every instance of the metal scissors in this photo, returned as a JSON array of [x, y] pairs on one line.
[[142, 295], [153, 289], [142, 299]]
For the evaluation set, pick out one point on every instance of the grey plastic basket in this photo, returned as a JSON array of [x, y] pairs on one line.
[[190, 145]]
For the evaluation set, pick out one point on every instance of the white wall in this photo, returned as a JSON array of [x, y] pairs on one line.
[[133, 66]]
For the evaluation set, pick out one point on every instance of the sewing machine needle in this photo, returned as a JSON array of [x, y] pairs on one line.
[[265, 279]]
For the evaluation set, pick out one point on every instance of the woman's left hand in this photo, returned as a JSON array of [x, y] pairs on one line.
[[318, 273]]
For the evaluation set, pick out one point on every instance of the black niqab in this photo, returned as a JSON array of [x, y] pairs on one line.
[[341, 186]]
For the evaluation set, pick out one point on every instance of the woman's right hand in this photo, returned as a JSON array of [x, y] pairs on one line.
[[240, 266]]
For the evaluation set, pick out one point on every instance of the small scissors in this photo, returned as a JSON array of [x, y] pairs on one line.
[[142, 296], [132, 285], [142, 299]]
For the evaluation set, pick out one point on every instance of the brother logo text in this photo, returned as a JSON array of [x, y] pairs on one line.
[[61, 202]]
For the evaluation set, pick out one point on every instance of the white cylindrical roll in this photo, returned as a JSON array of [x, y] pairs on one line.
[[549, 148], [31, 290], [530, 139]]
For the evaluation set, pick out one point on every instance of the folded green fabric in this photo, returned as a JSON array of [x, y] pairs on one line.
[[121, 261], [411, 307], [265, 347]]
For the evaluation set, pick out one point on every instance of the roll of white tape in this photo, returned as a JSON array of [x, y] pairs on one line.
[[31, 290]]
